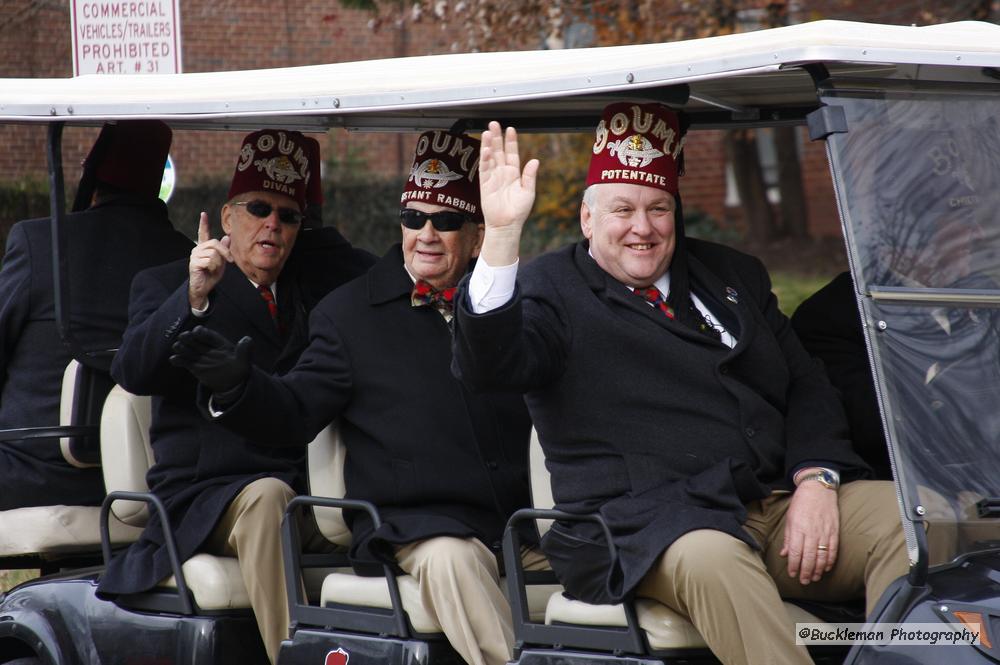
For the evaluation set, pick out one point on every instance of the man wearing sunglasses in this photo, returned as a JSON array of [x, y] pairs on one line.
[[225, 495], [445, 467]]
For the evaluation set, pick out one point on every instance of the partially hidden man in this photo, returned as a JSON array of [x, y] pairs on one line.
[[444, 467], [224, 493], [672, 397], [119, 226]]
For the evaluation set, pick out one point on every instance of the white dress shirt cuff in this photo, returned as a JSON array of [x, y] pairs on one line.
[[212, 411], [489, 287]]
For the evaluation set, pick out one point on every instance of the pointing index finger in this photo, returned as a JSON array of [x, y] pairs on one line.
[[204, 228]]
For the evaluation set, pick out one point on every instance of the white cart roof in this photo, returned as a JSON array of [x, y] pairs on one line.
[[742, 77]]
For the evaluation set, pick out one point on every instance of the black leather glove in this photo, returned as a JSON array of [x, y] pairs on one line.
[[217, 363]]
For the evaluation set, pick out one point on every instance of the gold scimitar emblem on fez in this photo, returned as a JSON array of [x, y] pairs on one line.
[[432, 173], [636, 150], [278, 168]]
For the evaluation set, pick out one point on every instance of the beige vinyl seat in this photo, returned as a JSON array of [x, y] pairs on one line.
[[326, 479], [54, 532], [214, 581], [663, 628]]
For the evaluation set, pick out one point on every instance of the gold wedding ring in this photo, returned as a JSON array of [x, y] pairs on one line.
[[822, 548]]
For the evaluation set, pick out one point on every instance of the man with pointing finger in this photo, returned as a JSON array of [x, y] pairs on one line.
[[671, 397], [223, 494]]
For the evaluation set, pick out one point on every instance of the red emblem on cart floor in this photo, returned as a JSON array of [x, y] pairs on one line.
[[338, 657]]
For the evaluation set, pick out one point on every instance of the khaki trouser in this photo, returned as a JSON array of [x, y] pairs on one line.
[[732, 593], [250, 530], [460, 587]]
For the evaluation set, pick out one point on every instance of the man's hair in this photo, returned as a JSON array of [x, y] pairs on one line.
[[590, 196]]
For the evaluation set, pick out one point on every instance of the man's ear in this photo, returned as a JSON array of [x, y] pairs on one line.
[[227, 223], [586, 221], [480, 232]]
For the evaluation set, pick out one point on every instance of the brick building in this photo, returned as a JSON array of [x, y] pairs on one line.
[[217, 35], [252, 34]]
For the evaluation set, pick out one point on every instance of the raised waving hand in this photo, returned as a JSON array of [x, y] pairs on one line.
[[507, 193]]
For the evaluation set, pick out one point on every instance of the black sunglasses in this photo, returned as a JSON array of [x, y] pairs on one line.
[[263, 209], [442, 221]]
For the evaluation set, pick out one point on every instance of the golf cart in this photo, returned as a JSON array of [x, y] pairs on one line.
[[909, 119]]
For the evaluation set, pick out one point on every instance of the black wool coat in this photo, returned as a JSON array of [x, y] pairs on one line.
[[655, 426], [200, 465], [434, 458], [108, 245]]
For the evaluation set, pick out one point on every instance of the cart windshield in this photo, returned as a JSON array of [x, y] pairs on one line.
[[918, 177]]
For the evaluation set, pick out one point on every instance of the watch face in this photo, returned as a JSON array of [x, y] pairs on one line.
[[828, 478]]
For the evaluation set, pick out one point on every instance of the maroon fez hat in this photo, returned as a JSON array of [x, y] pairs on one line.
[[274, 160], [130, 155], [638, 144], [445, 172]]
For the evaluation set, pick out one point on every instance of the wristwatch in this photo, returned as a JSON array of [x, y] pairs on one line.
[[828, 478]]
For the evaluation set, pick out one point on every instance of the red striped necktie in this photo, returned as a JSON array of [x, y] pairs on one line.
[[696, 320], [653, 295], [272, 306]]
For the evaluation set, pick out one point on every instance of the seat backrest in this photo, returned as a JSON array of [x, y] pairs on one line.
[[126, 451], [128, 456], [541, 482], [81, 402], [327, 455]]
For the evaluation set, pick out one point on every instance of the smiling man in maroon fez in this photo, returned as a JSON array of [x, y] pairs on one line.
[[225, 494], [445, 467], [671, 396], [119, 228]]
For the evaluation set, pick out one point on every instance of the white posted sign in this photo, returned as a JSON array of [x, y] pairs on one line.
[[126, 36]]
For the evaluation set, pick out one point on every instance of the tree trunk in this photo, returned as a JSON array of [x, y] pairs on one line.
[[741, 149], [794, 213], [984, 10]]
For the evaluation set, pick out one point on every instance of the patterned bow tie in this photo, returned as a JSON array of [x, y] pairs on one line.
[[443, 301]]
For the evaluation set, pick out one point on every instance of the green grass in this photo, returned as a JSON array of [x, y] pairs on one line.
[[792, 289], [11, 578]]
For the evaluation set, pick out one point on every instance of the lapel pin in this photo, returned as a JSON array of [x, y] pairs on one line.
[[731, 295]]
